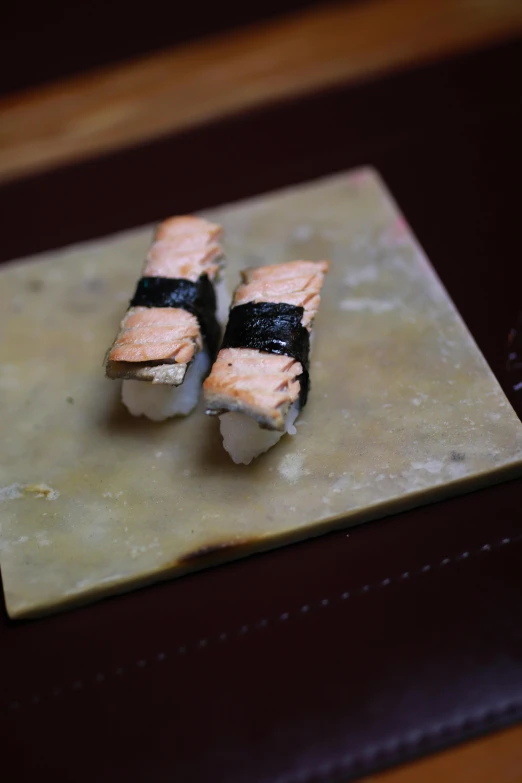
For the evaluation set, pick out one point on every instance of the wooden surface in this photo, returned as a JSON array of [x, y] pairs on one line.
[[180, 88], [493, 759], [189, 85]]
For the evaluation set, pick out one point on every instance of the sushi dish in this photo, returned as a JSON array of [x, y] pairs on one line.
[[259, 382], [170, 334]]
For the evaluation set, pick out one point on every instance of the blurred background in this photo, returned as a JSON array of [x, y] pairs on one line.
[[80, 78]]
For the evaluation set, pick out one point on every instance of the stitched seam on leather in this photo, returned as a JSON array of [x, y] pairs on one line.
[[397, 750], [225, 636]]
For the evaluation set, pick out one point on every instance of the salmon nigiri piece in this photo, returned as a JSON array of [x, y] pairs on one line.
[[261, 371], [172, 317]]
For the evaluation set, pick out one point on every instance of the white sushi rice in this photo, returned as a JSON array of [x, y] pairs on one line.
[[245, 440], [159, 401], [222, 302]]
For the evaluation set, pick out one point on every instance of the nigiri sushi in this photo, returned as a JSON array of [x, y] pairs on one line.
[[170, 334], [259, 381]]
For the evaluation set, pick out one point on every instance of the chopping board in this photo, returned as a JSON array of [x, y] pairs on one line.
[[403, 408]]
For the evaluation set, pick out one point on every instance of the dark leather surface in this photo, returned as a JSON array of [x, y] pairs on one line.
[[335, 657]]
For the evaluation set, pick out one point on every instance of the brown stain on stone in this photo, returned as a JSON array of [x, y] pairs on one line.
[[40, 491], [219, 547]]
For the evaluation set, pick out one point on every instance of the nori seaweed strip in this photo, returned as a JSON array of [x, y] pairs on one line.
[[198, 298], [272, 328]]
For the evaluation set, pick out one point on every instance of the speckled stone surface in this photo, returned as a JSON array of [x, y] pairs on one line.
[[403, 408]]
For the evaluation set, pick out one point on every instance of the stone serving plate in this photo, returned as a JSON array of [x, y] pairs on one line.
[[403, 409]]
